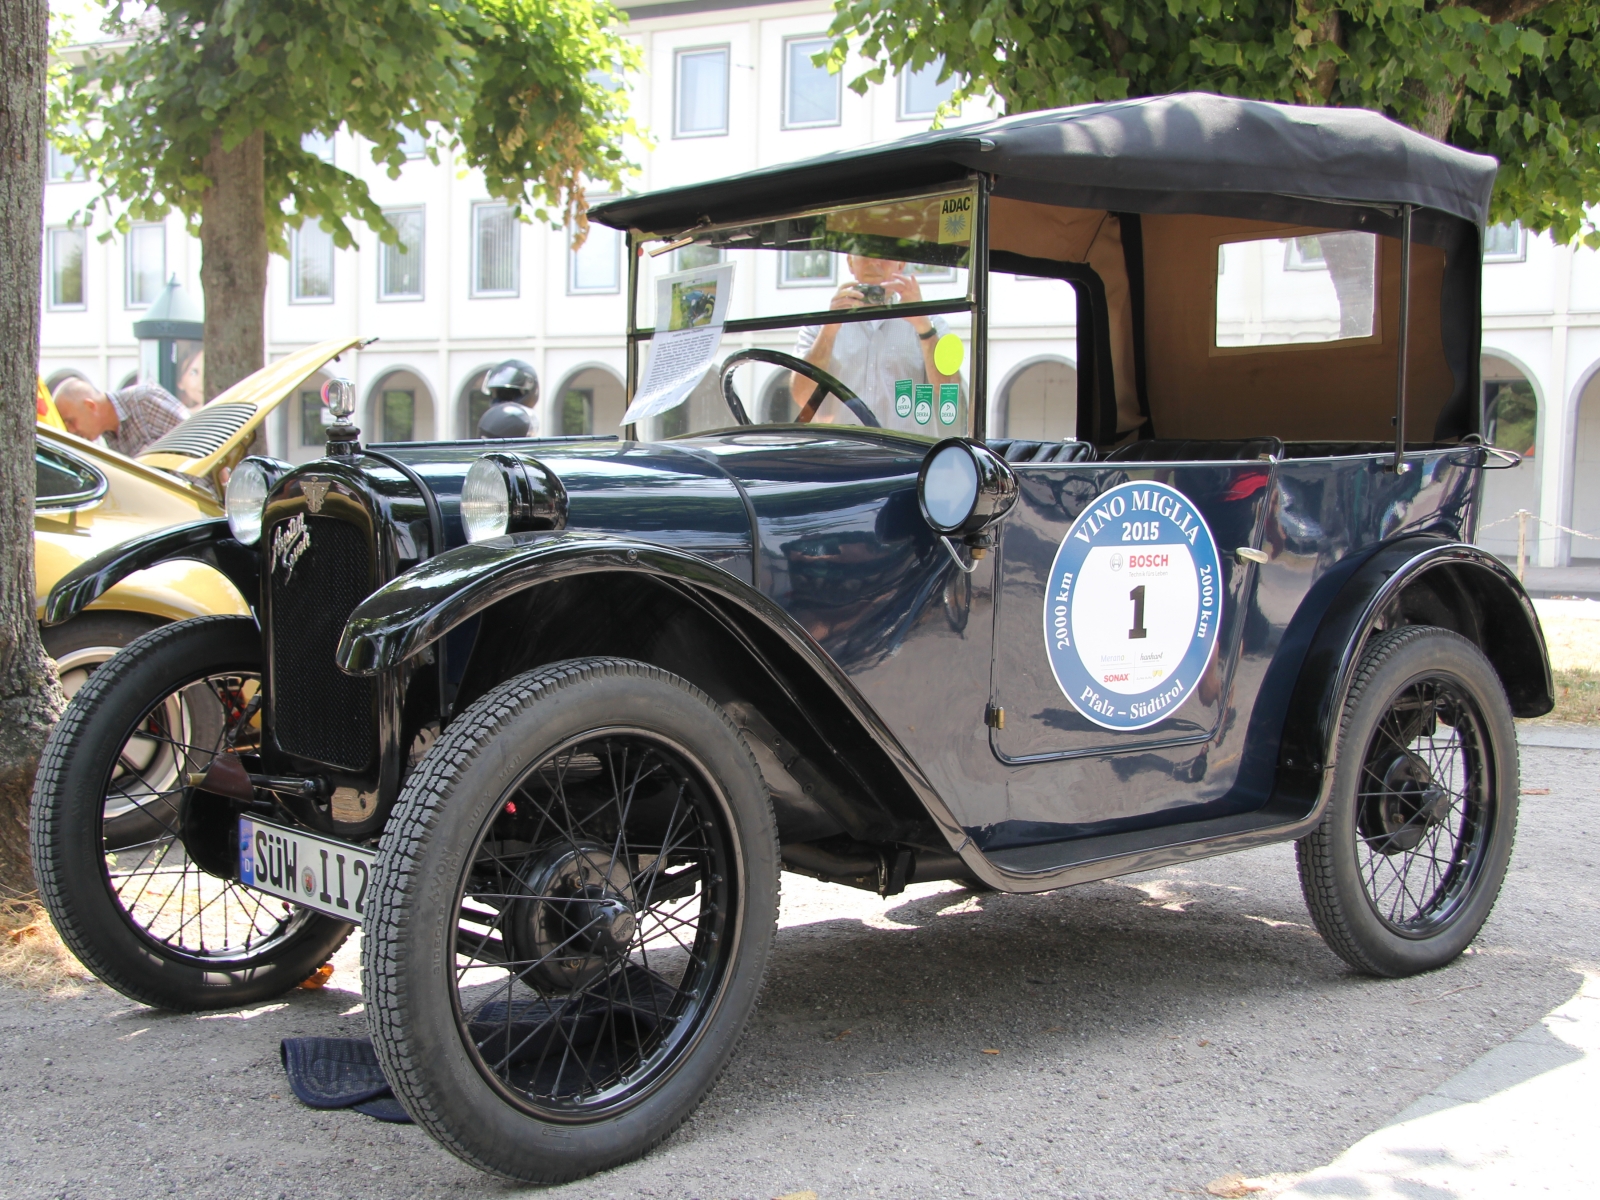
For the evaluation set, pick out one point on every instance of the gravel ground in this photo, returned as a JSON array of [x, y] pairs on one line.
[[1153, 1033]]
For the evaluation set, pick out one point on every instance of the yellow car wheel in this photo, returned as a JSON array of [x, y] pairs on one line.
[[88, 640]]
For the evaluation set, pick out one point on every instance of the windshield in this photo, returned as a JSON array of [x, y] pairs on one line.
[[875, 296]]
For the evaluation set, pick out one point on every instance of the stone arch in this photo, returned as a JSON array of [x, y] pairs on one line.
[[590, 399], [1038, 400], [472, 401], [1504, 380], [57, 378], [393, 418]]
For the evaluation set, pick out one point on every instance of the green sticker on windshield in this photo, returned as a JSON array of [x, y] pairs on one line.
[[924, 409], [949, 397], [902, 398]]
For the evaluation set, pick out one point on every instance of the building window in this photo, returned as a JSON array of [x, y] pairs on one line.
[[597, 265], [62, 166], [311, 265], [702, 93], [319, 144], [1505, 243], [398, 416], [400, 264], [697, 255], [931, 272], [314, 419], [577, 412], [810, 93], [921, 93], [144, 264], [807, 268], [495, 243], [66, 268], [413, 143]]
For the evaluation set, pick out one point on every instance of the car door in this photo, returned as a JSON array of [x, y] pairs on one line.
[[1122, 600]]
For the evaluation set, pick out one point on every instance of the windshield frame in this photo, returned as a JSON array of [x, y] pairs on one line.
[[976, 301]]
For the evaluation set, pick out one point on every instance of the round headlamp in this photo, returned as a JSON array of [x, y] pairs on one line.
[[246, 500], [510, 493], [963, 487], [485, 501]]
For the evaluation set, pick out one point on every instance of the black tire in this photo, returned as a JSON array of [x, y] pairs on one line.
[[89, 639], [483, 857], [1409, 857], [140, 723]]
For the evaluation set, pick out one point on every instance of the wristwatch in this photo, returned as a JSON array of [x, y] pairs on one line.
[[933, 332]]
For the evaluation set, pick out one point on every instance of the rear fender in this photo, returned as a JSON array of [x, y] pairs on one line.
[[830, 760], [1414, 581], [209, 541]]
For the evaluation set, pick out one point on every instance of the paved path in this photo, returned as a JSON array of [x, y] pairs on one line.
[[1521, 1121], [1154, 1034]]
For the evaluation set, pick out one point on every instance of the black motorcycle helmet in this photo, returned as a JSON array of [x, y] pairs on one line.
[[513, 382], [506, 421]]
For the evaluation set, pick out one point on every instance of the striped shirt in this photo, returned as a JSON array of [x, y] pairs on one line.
[[145, 411]]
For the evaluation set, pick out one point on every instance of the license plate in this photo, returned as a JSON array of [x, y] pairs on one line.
[[331, 877]]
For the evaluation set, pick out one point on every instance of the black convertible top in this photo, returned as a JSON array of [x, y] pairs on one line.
[[1191, 152]]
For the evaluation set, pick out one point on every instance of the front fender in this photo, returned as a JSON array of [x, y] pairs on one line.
[[209, 541]]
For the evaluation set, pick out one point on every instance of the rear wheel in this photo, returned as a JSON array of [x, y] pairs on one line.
[[89, 639], [1410, 855], [575, 899], [112, 869]]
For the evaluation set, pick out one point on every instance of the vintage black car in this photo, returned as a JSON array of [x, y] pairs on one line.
[[548, 717]]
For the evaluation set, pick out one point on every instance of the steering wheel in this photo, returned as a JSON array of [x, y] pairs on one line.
[[825, 382]]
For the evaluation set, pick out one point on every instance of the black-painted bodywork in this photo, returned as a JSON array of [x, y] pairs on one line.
[[789, 572]]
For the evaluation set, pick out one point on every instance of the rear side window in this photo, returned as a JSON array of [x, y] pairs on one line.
[[1291, 291], [61, 481]]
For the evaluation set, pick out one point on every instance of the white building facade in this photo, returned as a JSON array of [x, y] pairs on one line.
[[728, 88]]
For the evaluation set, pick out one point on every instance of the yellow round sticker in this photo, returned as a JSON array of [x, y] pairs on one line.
[[948, 353]]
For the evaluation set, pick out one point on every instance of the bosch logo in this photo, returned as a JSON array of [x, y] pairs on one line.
[[1147, 560]]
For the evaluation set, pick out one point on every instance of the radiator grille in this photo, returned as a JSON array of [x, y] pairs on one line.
[[319, 712]]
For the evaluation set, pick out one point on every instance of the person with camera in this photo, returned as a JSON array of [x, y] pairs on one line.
[[870, 356]]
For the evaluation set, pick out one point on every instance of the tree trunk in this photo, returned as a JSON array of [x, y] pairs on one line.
[[30, 696], [233, 262]]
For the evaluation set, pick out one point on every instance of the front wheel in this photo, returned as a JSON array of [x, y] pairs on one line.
[[574, 903], [1408, 860], [112, 869]]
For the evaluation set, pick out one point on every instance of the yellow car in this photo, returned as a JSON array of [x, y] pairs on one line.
[[89, 499]]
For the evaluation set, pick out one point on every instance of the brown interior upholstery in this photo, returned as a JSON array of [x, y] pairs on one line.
[[1330, 390], [1079, 235], [1341, 391]]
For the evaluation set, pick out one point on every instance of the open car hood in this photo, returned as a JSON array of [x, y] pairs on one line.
[[218, 435]]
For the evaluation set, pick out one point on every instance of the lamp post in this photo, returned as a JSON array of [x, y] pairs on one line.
[[172, 343]]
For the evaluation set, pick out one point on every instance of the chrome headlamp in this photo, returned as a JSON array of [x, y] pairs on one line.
[[964, 487], [510, 493], [245, 497]]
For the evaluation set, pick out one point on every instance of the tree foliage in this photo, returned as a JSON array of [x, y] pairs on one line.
[[521, 89], [1518, 79]]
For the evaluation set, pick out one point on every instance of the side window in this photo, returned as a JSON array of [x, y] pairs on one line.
[[1300, 290], [60, 481]]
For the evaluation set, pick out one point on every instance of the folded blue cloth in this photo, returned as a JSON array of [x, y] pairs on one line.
[[330, 1072]]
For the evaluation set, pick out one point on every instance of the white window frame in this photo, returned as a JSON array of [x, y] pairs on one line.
[[478, 292], [413, 142], [294, 267], [678, 55], [128, 243], [83, 269], [786, 281], [902, 109], [54, 170], [788, 95], [385, 296], [1520, 254], [572, 262]]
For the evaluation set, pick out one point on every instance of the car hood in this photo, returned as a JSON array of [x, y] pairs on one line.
[[219, 434]]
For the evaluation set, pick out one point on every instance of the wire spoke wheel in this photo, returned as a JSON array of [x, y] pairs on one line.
[[108, 810], [162, 893], [593, 924], [572, 910], [1422, 821], [1409, 857]]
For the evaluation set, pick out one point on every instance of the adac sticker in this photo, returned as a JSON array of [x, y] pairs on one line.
[[1134, 605]]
